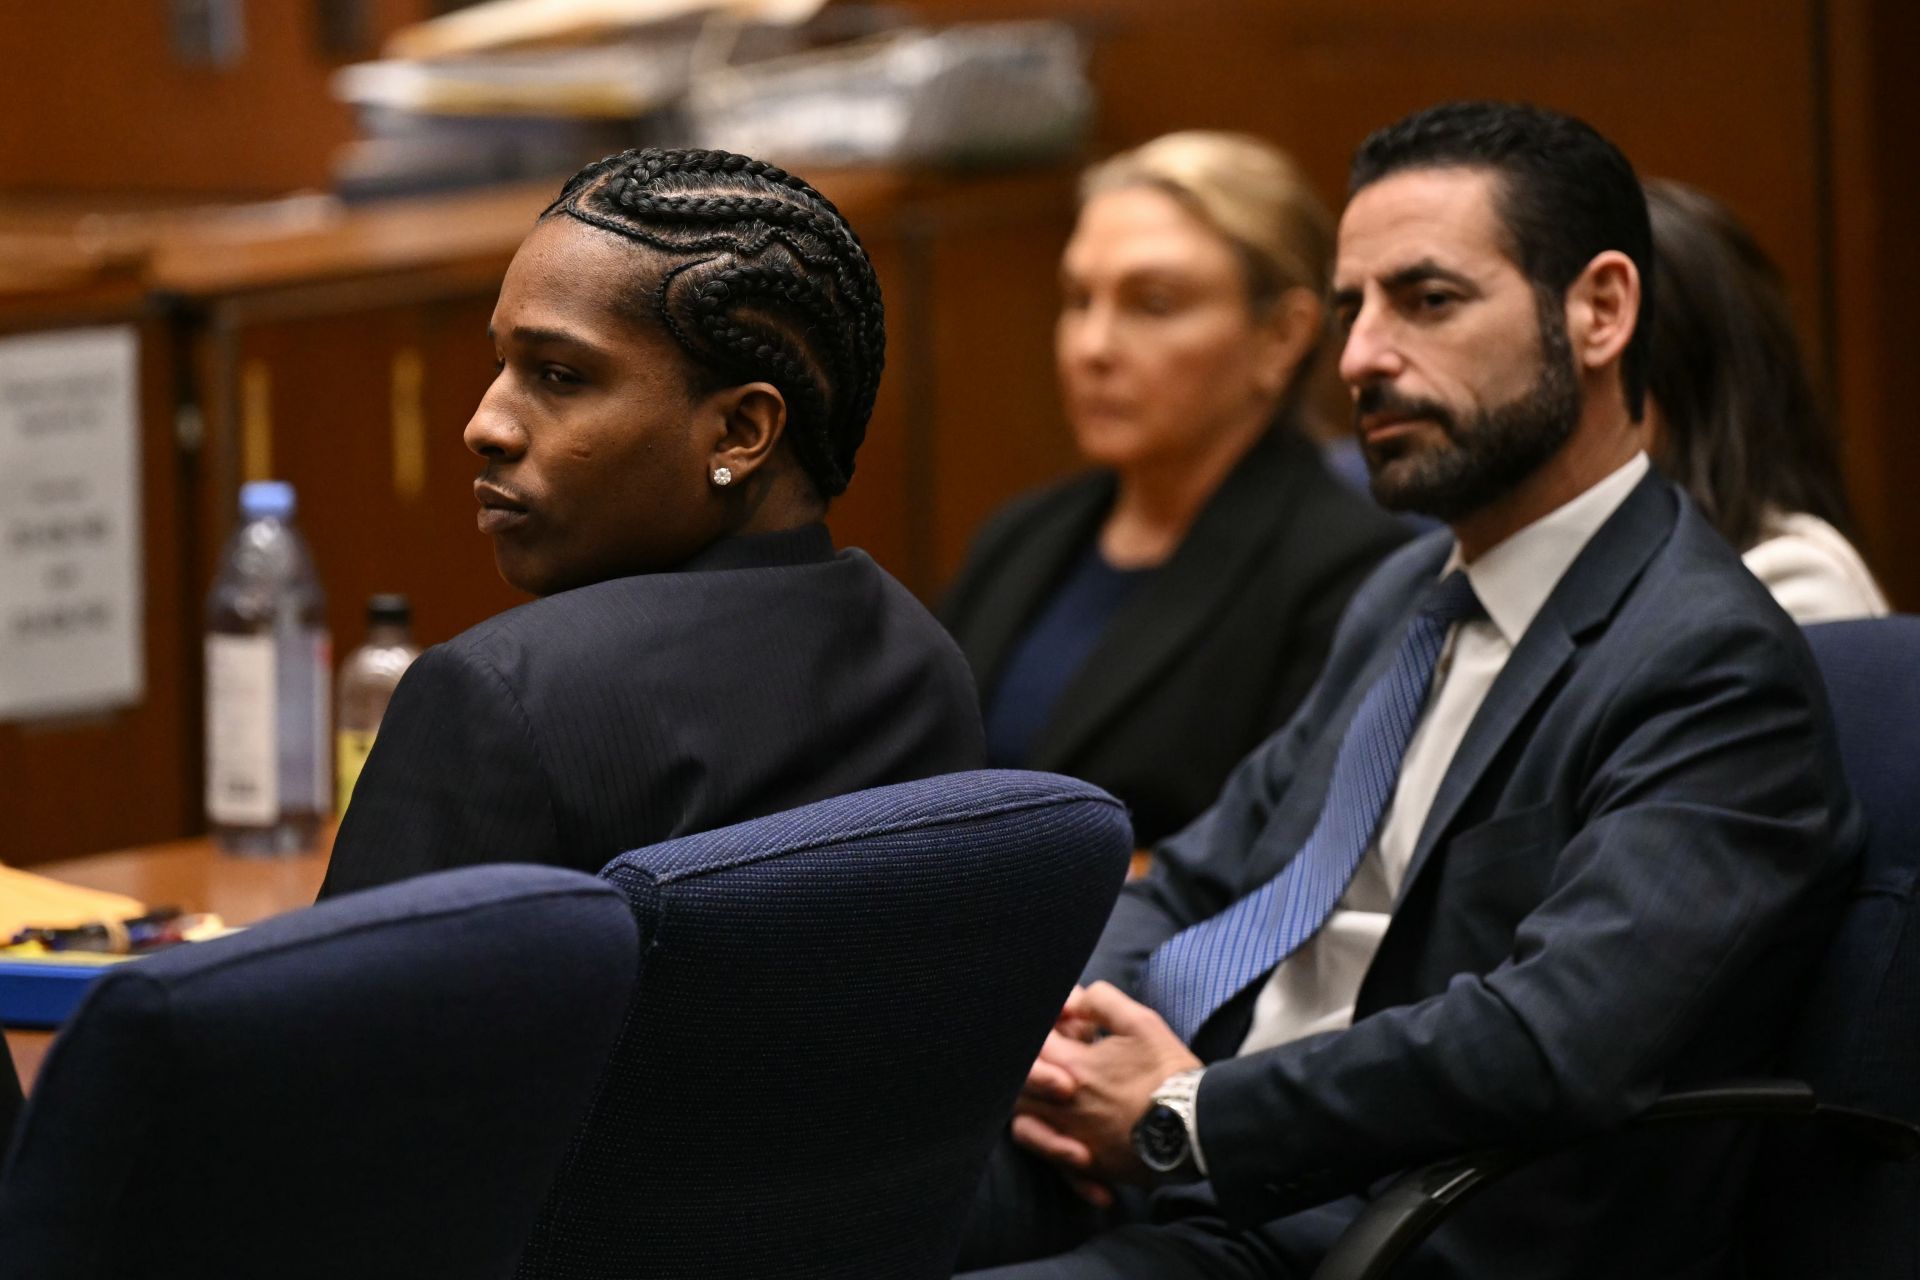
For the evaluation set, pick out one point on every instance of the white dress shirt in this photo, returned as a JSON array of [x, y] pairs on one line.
[[1314, 989]]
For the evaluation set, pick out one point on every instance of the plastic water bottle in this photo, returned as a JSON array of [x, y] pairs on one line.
[[367, 680], [269, 672]]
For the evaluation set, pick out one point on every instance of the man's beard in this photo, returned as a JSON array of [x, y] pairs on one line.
[[1491, 453]]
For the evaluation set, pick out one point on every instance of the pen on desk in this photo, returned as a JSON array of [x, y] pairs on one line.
[[115, 937]]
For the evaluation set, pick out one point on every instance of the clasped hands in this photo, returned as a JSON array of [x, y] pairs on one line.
[[1093, 1081]]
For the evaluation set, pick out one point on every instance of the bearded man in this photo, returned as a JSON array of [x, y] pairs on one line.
[[1561, 827]]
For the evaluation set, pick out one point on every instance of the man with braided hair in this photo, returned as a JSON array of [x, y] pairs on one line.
[[688, 345]]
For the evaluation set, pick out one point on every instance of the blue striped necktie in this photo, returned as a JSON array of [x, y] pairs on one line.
[[1192, 974]]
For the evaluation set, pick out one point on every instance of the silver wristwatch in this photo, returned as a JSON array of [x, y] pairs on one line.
[[1165, 1138]]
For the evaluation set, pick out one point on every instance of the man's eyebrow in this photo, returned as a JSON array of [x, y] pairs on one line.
[[553, 337], [1424, 271]]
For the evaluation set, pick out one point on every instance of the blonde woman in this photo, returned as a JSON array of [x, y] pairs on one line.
[[1145, 624]]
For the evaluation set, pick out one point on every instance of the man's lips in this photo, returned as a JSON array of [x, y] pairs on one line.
[[1385, 426], [499, 510]]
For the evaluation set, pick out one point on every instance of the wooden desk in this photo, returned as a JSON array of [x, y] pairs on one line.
[[191, 874]]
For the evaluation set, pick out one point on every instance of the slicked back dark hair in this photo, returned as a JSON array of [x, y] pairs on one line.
[[759, 280], [1566, 194], [1744, 430]]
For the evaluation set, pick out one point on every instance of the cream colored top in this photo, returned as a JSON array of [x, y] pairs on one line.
[[1813, 571]]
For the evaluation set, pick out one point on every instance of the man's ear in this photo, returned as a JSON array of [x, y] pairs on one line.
[[751, 418], [1603, 306], [1289, 328]]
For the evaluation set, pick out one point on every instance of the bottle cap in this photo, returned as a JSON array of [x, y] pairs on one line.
[[389, 609], [266, 499]]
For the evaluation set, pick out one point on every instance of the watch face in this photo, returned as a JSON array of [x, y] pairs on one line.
[[1160, 1139]]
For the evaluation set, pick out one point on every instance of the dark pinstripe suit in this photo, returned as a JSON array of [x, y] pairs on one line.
[[767, 673]]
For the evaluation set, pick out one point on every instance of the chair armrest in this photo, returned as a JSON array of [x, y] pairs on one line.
[[1882, 1136], [1409, 1210]]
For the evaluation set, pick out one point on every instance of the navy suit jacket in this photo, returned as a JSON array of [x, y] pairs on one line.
[[1628, 869], [767, 673]]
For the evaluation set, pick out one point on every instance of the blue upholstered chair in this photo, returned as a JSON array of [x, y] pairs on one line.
[[381, 1085], [1836, 1191], [836, 1008]]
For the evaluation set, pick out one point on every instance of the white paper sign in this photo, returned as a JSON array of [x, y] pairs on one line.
[[70, 566]]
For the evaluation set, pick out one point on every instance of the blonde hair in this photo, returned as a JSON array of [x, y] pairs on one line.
[[1249, 191]]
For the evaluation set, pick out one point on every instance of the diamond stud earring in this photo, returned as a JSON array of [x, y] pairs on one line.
[[723, 476]]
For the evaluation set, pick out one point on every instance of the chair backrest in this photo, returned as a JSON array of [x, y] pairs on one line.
[[835, 1011], [381, 1085], [11, 1099], [1820, 1209]]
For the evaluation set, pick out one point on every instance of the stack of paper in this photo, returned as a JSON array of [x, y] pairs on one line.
[[508, 24], [28, 899]]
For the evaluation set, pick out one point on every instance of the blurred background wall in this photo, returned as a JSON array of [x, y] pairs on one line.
[[344, 348]]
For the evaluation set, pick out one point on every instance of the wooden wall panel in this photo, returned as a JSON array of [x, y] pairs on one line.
[[93, 99], [991, 367], [876, 513], [1717, 92], [1876, 276], [967, 268]]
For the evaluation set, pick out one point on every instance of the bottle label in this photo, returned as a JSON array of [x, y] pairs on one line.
[[243, 782], [314, 787], [350, 756]]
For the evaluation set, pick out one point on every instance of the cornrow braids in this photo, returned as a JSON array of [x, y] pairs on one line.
[[763, 281]]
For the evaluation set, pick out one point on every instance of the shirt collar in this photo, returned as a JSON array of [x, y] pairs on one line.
[[804, 544], [1514, 579]]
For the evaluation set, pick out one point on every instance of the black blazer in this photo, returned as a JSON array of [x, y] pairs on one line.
[[1633, 860], [769, 672], [1210, 655]]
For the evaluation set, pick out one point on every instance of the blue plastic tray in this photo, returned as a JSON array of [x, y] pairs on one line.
[[43, 993]]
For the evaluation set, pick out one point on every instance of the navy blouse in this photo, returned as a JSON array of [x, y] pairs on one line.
[[1047, 658]]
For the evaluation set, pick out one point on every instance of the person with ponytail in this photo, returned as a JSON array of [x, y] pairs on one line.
[[688, 347]]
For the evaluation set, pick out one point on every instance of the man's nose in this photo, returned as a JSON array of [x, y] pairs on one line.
[[492, 432], [1369, 353]]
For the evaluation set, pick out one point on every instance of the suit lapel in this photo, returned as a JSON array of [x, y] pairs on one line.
[[1587, 595], [1241, 523]]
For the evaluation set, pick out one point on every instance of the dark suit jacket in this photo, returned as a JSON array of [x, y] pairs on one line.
[[11, 1099], [1210, 655], [767, 673], [1628, 868]]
